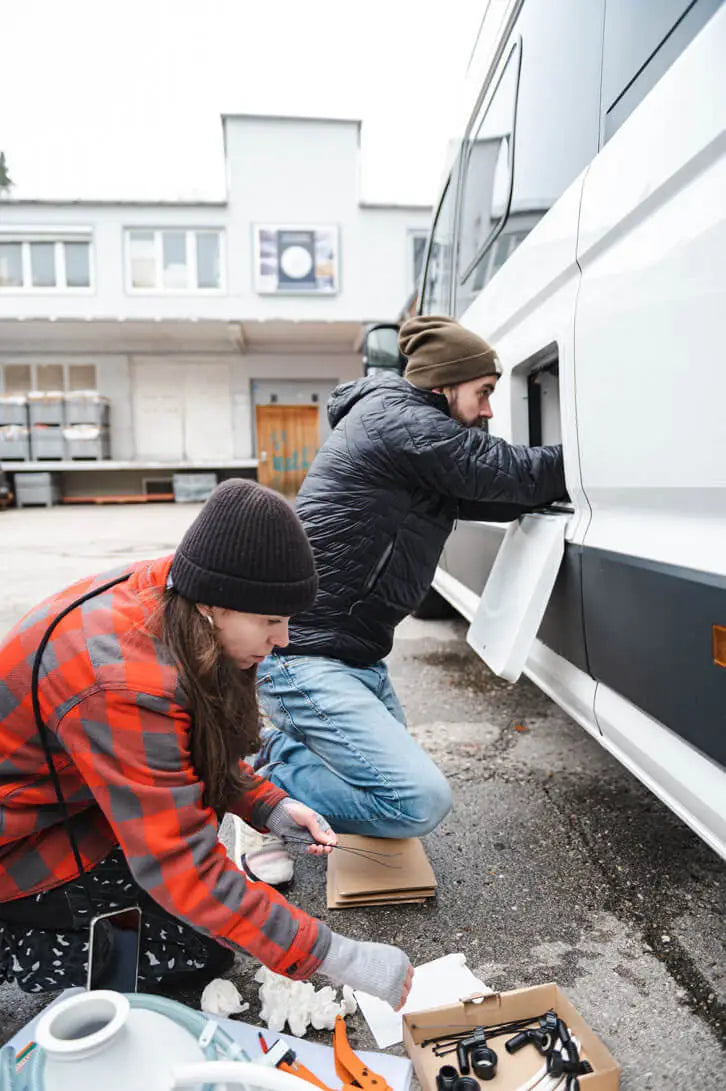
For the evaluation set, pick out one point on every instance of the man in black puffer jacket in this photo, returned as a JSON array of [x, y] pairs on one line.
[[407, 457]]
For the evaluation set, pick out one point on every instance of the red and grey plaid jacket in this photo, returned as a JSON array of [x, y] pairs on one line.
[[111, 697]]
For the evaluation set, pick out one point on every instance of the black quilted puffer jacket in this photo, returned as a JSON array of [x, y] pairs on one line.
[[381, 498]]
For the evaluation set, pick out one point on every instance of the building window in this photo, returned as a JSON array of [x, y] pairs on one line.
[[81, 377], [17, 379], [11, 265], [49, 377], [45, 264], [174, 260], [22, 378]]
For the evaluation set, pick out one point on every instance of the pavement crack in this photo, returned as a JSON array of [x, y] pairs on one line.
[[698, 993]]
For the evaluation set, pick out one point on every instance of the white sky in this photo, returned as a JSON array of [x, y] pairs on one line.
[[121, 98]]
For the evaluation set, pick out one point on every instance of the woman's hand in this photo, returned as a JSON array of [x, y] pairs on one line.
[[376, 968], [310, 820], [291, 820], [406, 988]]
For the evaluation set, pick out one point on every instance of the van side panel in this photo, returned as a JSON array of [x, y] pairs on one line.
[[650, 332]]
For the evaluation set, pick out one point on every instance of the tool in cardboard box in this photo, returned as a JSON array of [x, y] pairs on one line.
[[473, 1052], [560, 1071]]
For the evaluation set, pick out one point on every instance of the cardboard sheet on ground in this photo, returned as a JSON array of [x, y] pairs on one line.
[[318, 1058], [398, 872], [446, 980]]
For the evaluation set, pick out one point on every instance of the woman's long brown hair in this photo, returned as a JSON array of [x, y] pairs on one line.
[[222, 701]]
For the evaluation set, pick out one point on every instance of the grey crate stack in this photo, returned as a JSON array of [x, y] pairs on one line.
[[86, 429], [14, 432], [45, 416], [36, 488]]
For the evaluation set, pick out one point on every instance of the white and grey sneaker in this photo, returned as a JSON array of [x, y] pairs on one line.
[[262, 856]]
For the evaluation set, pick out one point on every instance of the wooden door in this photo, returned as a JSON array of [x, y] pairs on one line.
[[288, 437]]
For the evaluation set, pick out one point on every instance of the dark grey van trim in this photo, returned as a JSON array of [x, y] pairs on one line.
[[643, 628], [649, 633], [563, 626]]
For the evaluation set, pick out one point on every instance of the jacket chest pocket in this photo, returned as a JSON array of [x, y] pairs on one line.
[[378, 569]]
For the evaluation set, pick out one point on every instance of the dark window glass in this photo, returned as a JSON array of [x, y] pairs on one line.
[[556, 132], [437, 282], [642, 40], [487, 170], [418, 243]]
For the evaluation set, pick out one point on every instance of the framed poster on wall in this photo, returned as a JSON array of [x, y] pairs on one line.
[[296, 259]]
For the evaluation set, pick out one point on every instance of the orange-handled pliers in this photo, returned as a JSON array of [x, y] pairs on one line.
[[351, 1069]]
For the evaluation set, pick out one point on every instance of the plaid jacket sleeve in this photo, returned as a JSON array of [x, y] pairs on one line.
[[132, 751], [258, 800]]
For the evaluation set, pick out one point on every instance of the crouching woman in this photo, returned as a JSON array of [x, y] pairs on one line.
[[144, 703]]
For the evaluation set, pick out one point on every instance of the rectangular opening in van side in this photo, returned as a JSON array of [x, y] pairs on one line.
[[543, 405], [536, 398]]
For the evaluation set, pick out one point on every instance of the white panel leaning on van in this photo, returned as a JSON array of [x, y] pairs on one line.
[[582, 230]]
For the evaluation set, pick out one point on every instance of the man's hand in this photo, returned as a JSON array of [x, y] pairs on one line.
[[292, 820]]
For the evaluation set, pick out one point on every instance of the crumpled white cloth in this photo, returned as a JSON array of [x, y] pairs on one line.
[[221, 997], [299, 1004]]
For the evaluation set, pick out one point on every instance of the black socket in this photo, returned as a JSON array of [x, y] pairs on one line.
[[465, 1083], [447, 1077], [484, 1062]]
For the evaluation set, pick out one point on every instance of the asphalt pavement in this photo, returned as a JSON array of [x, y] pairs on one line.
[[554, 865]]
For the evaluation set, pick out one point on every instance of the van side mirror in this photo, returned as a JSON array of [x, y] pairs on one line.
[[380, 350]]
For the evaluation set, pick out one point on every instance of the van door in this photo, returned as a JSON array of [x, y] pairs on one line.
[[532, 135], [651, 390]]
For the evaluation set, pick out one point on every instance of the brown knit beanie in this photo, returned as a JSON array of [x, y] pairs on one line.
[[246, 551], [442, 353]]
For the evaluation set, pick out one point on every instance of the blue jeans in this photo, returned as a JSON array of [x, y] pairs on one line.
[[342, 747]]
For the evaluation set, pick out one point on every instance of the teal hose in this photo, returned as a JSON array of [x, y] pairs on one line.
[[193, 1021], [9, 1081], [221, 1045]]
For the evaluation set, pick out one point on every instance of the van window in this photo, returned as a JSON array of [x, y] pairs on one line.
[[556, 133], [487, 170], [436, 294], [641, 41]]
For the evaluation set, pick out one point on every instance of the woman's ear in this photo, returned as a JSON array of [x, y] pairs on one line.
[[206, 612]]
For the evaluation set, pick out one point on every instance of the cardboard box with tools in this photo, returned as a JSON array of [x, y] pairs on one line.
[[433, 1040], [378, 871]]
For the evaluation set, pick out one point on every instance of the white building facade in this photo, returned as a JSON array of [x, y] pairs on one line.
[[213, 329]]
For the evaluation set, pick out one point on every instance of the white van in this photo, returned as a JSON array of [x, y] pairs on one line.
[[582, 231]]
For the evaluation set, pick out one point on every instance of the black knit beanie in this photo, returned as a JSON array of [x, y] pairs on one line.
[[246, 551]]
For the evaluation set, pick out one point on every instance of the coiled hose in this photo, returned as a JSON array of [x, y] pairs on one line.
[[221, 1043]]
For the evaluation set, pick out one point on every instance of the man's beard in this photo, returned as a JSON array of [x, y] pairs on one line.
[[456, 414]]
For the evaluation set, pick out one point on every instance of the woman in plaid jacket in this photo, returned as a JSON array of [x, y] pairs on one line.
[[147, 692]]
